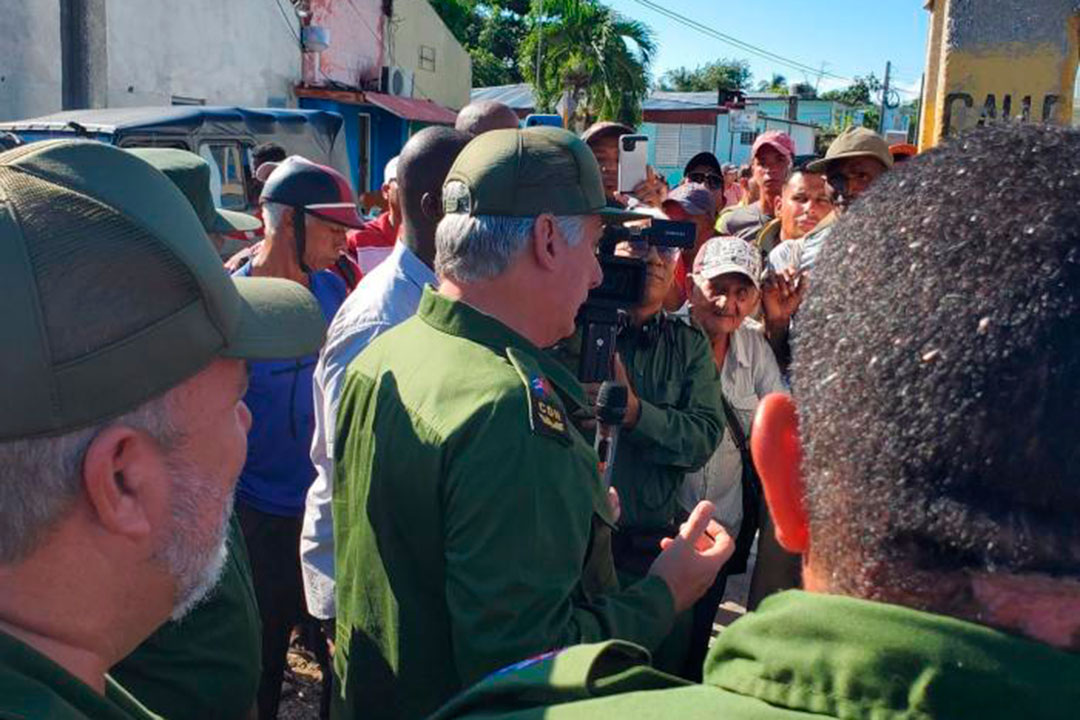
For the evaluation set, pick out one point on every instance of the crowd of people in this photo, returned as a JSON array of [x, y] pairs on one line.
[[857, 384]]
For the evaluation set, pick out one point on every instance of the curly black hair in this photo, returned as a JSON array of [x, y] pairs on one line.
[[937, 371]]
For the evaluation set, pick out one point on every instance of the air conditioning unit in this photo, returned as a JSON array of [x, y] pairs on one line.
[[396, 81]]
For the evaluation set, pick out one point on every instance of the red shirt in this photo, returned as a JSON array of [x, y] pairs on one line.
[[371, 244]]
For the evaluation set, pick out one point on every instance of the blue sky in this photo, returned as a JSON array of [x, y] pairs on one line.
[[855, 37]]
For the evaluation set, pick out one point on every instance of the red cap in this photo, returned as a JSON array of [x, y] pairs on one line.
[[779, 141], [320, 190]]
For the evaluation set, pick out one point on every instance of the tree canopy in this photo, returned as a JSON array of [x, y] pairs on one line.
[[595, 57], [722, 74], [491, 31]]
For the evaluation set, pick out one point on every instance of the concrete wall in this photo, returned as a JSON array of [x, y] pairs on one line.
[[226, 53], [415, 24], [995, 59], [229, 53], [29, 59]]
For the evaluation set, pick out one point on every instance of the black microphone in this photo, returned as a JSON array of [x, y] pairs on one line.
[[610, 412]]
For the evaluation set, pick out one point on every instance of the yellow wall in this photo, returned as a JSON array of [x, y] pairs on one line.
[[971, 79], [415, 23]]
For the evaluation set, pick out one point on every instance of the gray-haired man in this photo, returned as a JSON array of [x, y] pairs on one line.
[[469, 516], [123, 429]]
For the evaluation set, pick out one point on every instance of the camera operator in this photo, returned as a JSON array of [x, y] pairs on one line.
[[469, 518], [673, 421]]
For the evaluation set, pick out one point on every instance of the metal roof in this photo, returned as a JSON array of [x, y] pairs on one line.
[[109, 120], [413, 109], [517, 97]]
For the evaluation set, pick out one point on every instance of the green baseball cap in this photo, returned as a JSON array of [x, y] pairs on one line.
[[854, 142], [113, 294], [191, 174], [525, 173]]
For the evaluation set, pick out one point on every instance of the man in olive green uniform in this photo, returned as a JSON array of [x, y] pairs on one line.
[[938, 522], [123, 428], [469, 515], [206, 666]]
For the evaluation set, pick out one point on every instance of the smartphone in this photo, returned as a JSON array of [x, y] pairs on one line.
[[633, 158], [535, 120]]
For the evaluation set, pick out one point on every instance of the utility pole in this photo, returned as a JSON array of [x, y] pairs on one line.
[[539, 44], [884, 97], [83, 54]]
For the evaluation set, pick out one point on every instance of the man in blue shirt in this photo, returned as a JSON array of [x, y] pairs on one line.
[[307, 209]]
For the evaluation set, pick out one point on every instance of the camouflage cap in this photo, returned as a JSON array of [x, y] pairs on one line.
[[114, 294], [525, 173]]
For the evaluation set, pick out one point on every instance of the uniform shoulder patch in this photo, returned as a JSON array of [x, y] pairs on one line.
[[547, 416]]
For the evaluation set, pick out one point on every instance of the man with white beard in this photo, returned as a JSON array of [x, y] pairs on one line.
[[123, 428]]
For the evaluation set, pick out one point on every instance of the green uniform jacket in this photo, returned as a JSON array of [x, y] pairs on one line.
[[671, 367], [801, 655], [207, 665], [470, 526], [33, 687]]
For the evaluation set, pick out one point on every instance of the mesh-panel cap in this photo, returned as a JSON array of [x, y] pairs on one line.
[[113, 294], [525, 173], [191, 174]]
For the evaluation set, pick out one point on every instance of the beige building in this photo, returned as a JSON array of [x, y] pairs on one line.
[[417, 41]]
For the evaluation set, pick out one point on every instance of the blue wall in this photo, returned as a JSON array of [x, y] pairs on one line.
[[388, 135]]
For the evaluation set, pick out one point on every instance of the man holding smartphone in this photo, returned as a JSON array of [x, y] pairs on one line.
[[603, 139]]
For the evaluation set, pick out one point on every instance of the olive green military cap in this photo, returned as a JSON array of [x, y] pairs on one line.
[[191, 174], [525, 173], [852, 143], [113, 293]]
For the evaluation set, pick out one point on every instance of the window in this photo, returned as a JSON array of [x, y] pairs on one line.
[[427, 58], [227, 176], [747, 138], [675, 143], [183, 100]]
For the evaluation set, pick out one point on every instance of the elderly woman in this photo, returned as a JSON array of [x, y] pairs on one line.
[[724, 292]]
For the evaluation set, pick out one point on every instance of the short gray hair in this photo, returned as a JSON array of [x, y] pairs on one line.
[[41, 478], [272, 215], [470, 248]]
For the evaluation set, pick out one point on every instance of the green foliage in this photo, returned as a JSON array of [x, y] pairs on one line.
[[725, 73], [861, 92], [597, 56], [776, 84], [491, 31]]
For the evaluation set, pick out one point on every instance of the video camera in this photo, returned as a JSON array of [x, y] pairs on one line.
[[622, 288]]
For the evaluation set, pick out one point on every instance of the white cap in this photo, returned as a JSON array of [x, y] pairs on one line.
[[390, 171], [722, 255]]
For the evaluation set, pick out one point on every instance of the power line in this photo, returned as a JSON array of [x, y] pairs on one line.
[[742, 45], [288, 23]]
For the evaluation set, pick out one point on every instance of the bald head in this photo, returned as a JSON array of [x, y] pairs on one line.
[[484, 115], [422, 166]]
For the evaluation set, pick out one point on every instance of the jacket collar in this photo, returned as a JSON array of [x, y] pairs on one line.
[[458, 318], [844, 657]]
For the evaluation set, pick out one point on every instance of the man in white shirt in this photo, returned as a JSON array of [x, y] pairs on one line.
[[724, 292]]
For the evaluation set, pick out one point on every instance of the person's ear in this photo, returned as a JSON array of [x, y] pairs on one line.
[[778, 202], [122, 478], [777, 454], [545, 245], [431, 206]]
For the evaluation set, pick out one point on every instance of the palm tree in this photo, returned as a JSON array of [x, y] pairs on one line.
[[776, 84], [591, 53]]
